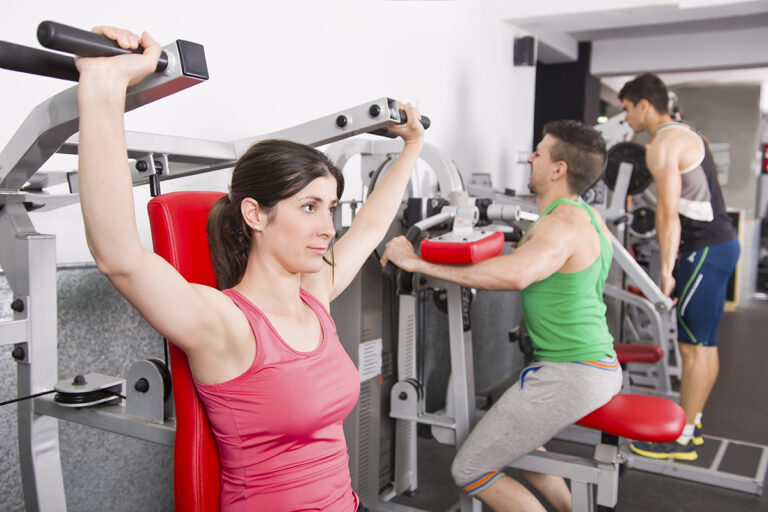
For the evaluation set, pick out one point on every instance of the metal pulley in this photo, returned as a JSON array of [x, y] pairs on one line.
[[148, 390], [634, 154]]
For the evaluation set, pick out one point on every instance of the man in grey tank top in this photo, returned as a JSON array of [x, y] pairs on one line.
[[692, 228]]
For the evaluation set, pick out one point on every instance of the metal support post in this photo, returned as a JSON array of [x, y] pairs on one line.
[[42, 479], [462, 375], [582, 496], [659, 375], [584, 474], [406, 461]]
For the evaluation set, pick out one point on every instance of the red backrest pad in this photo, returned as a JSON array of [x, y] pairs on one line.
[[178, 224], [638, 352]]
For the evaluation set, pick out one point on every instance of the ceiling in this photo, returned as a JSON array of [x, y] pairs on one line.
[[681, 40]]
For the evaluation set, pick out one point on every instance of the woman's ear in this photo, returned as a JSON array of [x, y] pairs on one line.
[[254, 216]]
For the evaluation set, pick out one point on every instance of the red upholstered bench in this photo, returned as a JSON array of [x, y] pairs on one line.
[[638, 353], [640, 417]]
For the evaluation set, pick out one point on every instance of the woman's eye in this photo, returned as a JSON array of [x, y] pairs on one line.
[[333, 209], [309, 207]]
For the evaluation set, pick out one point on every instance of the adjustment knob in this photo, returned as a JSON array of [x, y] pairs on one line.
[[142, 385]]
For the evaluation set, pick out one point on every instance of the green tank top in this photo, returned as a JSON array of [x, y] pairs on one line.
[[565, 313]]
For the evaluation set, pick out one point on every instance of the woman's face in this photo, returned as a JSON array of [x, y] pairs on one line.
[[300, 228]]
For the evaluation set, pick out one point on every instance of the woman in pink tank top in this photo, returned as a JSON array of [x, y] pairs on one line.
[[267, 361]]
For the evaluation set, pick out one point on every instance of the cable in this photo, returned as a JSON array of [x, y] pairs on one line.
[[27, 397], [165, 353], [115, 393], [86, 397]]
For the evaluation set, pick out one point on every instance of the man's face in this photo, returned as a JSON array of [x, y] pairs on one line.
[[635, 114], [541, 165]]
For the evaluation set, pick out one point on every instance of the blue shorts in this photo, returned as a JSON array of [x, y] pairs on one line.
[[701, 281]]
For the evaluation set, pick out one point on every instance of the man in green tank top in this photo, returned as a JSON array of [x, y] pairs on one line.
[[560, 267]]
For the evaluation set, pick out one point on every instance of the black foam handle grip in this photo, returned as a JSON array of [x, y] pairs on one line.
[[412, 235], [37, 62], [425, 122], [64, 38]]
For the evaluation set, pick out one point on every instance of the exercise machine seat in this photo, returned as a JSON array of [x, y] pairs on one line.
[[178, 224], [462, 249], [639, 417], [638, 353]]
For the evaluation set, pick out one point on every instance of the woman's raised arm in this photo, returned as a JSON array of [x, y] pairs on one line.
[[190, 315], [376, 215]]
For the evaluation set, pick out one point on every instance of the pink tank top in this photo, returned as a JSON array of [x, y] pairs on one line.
[[278, 426]]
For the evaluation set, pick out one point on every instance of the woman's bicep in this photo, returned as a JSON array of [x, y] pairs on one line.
[[186, 313]]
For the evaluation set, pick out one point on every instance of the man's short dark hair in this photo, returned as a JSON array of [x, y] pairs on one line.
[[581, 147], [647, 87]]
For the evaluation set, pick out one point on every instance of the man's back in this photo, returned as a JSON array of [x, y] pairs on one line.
[[703, 217]]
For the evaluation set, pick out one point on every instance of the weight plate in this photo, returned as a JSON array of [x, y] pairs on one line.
[[634, 154]]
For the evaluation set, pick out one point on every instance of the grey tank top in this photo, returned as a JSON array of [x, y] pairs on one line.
[[703, 217]]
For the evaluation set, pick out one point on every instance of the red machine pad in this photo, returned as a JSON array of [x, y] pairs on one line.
[[178, 223], [462, 251], [639, 417], [638, 353]]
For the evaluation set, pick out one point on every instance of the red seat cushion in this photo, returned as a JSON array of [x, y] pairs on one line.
[[638, 353], [640, 417], [178, 223], [454, 250]]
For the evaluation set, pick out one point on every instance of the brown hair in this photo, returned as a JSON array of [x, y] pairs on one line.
[[270, 171], [581, 147], [647, 87]]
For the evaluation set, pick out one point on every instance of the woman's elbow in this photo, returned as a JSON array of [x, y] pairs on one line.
[[116, 265]]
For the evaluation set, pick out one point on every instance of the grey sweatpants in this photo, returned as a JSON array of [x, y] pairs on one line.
[[548, 397]]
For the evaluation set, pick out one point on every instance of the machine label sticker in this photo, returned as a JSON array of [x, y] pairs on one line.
[[369, 359]]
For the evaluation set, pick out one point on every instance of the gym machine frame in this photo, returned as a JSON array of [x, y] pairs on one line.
[[660, 323], [594, 481], [452, 425], [29, 260]]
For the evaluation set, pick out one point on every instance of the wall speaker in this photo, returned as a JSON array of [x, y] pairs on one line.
[[525, 51]]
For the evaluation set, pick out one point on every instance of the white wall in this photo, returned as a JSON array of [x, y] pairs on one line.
[[277, 64]]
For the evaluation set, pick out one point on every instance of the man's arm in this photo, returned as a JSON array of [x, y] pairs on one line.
[[546, 249], [663, 157]]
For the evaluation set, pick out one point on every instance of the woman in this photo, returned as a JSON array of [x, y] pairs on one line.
[[267, 362]]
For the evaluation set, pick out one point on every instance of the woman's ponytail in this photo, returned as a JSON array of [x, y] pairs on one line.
[[229, 241]]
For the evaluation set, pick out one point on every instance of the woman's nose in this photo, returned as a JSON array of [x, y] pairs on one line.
[[327, 228]]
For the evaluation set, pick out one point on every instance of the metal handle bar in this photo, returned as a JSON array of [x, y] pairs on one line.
[[37, 62]]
